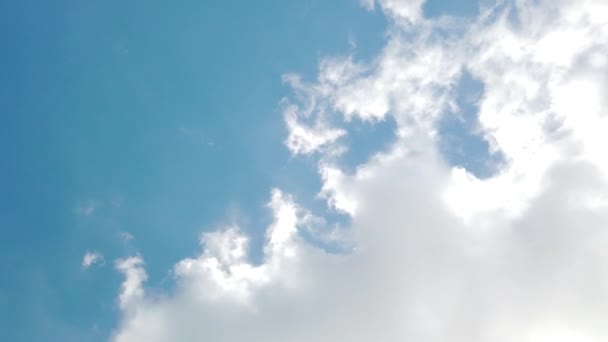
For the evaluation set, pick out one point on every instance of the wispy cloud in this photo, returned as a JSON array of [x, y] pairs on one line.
[[87, 208], [125, 236], [131, 290], [92, 258]]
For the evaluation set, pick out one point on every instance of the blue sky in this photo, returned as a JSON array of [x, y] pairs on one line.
[[131, 127]]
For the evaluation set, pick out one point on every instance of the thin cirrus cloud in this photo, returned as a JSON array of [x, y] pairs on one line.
[[87, 208], [438, 253]]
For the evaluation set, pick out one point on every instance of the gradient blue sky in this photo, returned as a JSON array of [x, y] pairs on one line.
[[158, 119]]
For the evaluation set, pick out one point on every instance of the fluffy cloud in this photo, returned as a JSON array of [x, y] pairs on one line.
[[439, 255]]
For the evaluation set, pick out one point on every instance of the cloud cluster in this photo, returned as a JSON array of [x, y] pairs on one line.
[[439, 255]]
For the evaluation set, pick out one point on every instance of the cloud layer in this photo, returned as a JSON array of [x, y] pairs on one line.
[[438, 254]]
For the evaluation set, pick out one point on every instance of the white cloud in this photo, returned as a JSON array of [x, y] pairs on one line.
[[91, 258], [439, 255], [132, 291], [305, 135], [409, 11]]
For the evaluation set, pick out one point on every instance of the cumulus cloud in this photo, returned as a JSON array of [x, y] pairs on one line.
[[91, 258], [439, 254]]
